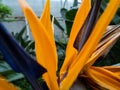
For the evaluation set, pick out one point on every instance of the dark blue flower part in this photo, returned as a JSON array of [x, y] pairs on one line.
[[18, 59]]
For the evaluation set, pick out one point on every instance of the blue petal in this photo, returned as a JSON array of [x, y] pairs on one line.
[[17, 58]]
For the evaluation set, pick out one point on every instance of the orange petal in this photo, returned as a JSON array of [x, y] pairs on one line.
[[104, 78], [45, 53], [45, 18], [5, 85], [80, 17], [46, 22], [114, 69]]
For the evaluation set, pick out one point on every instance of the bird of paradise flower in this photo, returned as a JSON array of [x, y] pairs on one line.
[[87, 42]]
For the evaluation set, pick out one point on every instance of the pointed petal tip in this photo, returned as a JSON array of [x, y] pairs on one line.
[[23, 4]]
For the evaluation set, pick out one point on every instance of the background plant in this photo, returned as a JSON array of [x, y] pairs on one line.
[[5, 11], [25, 41]]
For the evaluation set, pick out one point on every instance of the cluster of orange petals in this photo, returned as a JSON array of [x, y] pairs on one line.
[[75, 63]]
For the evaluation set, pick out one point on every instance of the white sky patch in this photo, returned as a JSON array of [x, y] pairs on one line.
[[67, 0]]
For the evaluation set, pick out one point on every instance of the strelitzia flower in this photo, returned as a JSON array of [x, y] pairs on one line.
[[87, 42]]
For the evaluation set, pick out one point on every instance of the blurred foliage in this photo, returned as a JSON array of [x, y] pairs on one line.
[[5, 11], [23, 84], [61, 46], [69, 16], [75, 3], [24, 41], [6, 71], [113, 57]]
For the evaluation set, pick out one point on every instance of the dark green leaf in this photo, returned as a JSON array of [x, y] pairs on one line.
[[70, 15], [63, 12]]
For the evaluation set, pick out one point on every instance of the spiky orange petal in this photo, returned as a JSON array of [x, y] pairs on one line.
[[45, 53], [78, 22], [104, 78], [91, 44]]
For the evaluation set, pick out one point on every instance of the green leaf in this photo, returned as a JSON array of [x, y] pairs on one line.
[[4, 67], [63, 12], [24, 41], [70, 15], [14, 77], [75, 3], [5, 11], [8, 73]]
